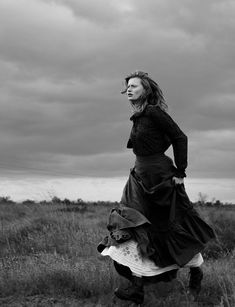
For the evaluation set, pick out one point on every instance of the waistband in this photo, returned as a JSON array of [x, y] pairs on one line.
[[151, 158]]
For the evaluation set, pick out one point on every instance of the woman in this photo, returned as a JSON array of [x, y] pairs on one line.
[[155, 230]]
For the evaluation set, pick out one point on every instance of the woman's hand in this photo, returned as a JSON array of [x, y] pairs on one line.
[[178, 180]]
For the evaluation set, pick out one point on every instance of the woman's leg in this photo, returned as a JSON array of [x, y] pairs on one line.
[[196, 274], [134, 292]]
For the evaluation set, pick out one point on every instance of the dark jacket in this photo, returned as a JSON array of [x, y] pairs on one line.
[[153, 132]]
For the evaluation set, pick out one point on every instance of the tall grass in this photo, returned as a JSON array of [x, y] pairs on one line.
[[50, 250]]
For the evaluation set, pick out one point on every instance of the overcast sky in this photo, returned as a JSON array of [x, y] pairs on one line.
[[62, 64]]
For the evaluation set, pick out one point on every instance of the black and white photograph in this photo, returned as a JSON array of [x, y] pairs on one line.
[[117, 156]]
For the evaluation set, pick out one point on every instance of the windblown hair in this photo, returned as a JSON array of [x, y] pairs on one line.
[[153, 93]]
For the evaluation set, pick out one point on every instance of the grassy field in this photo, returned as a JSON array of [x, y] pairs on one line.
[[48, 257]]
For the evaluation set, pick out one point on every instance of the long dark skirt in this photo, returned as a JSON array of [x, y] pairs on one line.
[[176, 232]]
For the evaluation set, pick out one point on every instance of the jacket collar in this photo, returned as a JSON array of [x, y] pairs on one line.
[[138, 114]]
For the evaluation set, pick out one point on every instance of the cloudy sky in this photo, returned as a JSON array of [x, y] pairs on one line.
[[63, 122]]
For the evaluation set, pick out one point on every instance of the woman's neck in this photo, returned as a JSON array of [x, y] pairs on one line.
[[138, 106]]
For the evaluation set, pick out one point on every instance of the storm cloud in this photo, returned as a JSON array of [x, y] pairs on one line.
[[62, 65]]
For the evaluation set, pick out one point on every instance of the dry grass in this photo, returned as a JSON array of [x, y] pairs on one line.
[[48, 257]]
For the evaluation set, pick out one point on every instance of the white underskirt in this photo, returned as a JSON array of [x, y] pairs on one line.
[[127, 254]]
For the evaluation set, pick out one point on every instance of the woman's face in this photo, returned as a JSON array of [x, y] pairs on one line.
[[134, 89]]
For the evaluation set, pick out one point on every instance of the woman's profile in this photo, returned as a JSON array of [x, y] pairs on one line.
[[155, 230]]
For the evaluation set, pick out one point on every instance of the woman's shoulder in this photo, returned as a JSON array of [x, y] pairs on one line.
[[155, 111], [164, 120], [159, 115]]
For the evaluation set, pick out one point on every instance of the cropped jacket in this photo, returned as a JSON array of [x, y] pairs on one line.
[[153, 132]]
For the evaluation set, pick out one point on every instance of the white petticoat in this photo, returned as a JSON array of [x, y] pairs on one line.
[[127, 254]]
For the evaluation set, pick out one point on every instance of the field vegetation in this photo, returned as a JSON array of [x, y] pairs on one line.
[[48, 257]]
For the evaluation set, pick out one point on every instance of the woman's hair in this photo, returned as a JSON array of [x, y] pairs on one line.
[[153, 94]]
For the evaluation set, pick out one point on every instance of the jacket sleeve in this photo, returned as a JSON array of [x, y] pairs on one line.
[[178, 139]]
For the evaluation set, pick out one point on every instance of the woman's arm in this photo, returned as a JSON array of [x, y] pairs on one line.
[[178, 139]]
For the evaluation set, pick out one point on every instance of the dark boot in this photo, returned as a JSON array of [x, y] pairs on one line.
[[196, 276], [134, 293]]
